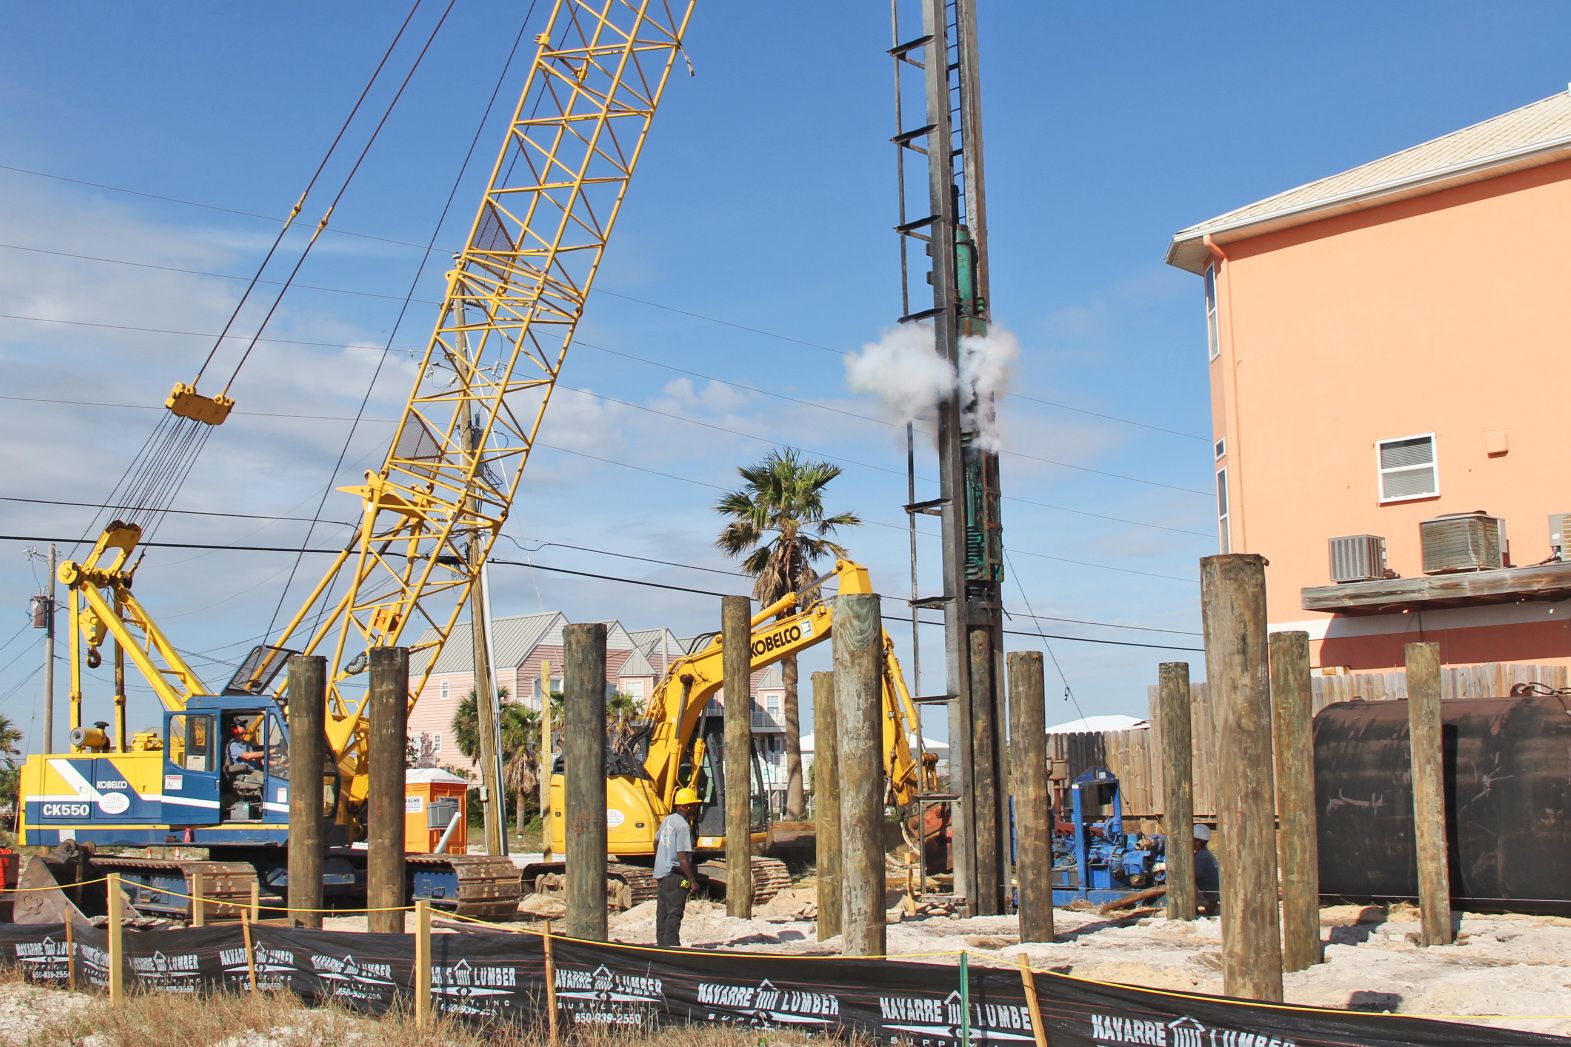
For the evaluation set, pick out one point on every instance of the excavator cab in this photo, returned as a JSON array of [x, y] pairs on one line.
[[711, 784]]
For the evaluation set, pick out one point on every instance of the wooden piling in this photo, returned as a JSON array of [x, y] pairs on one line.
[[1292, 712], [583, 758], [826, 804], [1429, 792], [736, 629], [858, 661], [1033, 801], [987, 772], [307, 694], [388, 729], [1178, 786], [1233, 607]]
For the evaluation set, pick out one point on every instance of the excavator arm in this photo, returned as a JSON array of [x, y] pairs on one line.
[[789, 626]]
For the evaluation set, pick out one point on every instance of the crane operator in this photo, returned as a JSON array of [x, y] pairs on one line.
[[242, 763], [674, 869]]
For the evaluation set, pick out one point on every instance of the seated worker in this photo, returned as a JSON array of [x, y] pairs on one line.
[[242, 763], [1208, 875]]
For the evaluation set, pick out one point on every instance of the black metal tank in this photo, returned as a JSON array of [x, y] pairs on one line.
[[1508, 802]]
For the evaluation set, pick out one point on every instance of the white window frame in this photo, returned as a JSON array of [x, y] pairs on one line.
[[443, 686], [1220, 448], [1224, 507], [1213, 321], [1381, 471], [436, 743]]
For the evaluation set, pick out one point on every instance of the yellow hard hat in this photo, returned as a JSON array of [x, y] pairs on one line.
[[685, 796]]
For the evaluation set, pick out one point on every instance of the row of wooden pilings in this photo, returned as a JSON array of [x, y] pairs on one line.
[[1267, 834], [1263, 745]]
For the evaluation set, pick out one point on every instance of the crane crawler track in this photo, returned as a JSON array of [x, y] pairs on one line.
[[155, 885]]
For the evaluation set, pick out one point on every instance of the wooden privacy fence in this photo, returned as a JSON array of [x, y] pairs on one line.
[[1135, 756]]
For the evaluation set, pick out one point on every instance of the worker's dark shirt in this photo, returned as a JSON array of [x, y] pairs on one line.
[[1208, 876], [235, 752]]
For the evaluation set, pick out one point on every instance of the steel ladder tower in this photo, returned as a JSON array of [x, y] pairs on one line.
[[939, 134]]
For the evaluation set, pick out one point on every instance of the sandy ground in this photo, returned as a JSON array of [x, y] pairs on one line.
[[1500, 965]]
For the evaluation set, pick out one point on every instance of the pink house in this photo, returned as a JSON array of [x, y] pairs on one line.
[[1386, 349]]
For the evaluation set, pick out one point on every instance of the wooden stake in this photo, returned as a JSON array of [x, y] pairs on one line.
[[1028, 979], [1429, 792], [1033, 803], [1178, 787], [116, 939], [858, 661], [550, 983], [736, 628], [250, 951], [70, 952], [1233, 608], [256, 901], [826, 804], [1293, 726], [198, 904], [422, 963], [583, 753]]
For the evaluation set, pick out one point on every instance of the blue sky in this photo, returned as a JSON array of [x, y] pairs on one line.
[[754, 249]]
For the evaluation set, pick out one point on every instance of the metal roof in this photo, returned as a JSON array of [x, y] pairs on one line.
[[1531, 136], [514, 637]]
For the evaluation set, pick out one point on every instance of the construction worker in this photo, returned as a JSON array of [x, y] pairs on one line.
[[674, 869], [1208, 875]]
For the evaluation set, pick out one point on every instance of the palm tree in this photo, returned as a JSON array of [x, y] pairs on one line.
[[777, 524], [520, 755]]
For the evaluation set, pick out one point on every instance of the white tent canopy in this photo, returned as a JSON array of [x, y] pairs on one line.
[[1098, 724]]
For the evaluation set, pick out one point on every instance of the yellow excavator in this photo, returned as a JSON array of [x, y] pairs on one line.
[[679, 745]]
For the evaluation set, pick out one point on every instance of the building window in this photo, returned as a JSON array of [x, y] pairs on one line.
[[444, 690], [1224, 539], [436, 744], [1408, 468], [633, 689], [1221, 449], [1213, 339]]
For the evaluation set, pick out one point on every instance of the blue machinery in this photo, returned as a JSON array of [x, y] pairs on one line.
[[1094, 859]]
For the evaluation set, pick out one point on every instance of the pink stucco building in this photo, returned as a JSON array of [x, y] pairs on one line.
[[1386, 348]]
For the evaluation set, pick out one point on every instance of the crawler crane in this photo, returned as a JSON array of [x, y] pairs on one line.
[[428, 517]]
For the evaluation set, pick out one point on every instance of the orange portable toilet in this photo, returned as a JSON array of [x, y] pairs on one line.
[[434, 803]]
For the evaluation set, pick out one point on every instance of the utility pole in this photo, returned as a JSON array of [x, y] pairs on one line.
[[944, 137], [491, 802], [44, 618]]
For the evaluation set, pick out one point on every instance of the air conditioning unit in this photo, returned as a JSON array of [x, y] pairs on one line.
[[1560, 536], [1472, 541], [1358, 558]]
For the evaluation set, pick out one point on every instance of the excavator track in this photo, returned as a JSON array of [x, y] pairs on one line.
[[770, 876], [487, 886]]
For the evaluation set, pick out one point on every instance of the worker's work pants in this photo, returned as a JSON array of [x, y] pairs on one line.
[[670, 904]]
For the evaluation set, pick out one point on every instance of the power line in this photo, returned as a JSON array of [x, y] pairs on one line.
[[681, 418], [764, 332], [693, 421], [568, 571]]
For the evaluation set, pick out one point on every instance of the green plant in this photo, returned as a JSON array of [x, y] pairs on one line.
[[777, 524]]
